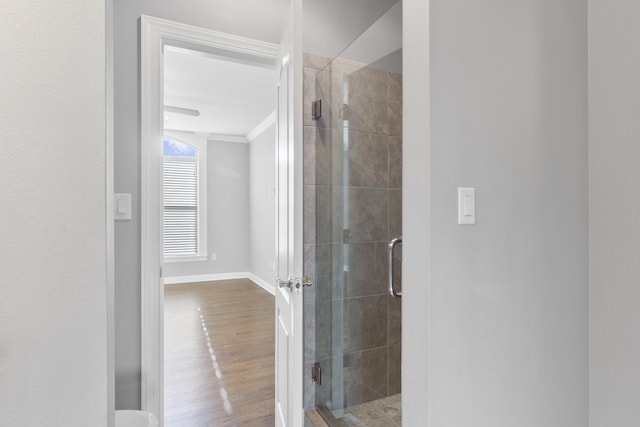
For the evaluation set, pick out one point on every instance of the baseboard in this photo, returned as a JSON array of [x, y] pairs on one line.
[[263, 284], [205, 278], [223, 276]]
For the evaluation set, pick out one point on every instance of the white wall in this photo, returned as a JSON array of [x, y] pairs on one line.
[[614, 206], [507, 298], [53, 317], [258, 19], [262, 220], [227, 212]]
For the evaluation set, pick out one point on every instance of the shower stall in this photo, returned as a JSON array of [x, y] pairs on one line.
[[353, 227]]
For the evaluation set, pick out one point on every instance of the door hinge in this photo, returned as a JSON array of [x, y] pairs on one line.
[[316, 109], [316, 373]]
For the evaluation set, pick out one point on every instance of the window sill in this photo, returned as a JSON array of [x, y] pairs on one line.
[[186, 258]]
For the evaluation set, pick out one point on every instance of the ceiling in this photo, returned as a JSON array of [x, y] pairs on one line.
[[232, 97]]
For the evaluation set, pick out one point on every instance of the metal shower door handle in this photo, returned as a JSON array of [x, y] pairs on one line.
[[392, 246]]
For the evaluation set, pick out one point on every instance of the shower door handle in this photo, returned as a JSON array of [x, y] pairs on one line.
[[392, 248]]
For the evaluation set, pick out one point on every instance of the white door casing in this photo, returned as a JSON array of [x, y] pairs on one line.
[[154, 35], [289, 246]]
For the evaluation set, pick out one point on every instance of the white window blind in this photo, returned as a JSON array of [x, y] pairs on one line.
[[180, 206]]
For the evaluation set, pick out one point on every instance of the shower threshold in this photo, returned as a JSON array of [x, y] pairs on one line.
[[385, 412]]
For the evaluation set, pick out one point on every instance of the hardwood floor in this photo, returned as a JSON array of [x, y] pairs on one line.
[[219, 354]]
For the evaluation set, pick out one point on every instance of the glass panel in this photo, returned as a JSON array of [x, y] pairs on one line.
[[357, 198]]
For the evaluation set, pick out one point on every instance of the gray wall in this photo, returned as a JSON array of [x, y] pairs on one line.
[[614, 219], [263, 23], [508, 297], [227, 212], [262, 220], [53, 294], [416, 212], [339, 23]]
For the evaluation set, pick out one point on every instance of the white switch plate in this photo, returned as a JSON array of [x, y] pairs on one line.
[[122, 206], [214, 257], [466, 205]]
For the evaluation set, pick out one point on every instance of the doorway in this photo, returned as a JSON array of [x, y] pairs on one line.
[[218, 240], [172, 133]]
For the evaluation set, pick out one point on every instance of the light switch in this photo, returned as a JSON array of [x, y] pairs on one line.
[[466, 205], [122, 206]]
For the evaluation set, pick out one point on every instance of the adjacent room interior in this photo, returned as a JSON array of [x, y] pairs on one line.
[[219, 239]]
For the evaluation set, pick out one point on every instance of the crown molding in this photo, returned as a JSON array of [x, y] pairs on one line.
[[262, 126], [220, 137]]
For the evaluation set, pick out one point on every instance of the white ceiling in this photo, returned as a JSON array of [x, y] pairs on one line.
[[232, 97]]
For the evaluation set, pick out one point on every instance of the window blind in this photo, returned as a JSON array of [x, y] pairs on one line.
[[180, 206]]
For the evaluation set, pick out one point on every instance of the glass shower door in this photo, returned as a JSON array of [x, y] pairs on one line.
[[357, 198]]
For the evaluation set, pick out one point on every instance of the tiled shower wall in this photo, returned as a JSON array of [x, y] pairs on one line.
[[352, 205]]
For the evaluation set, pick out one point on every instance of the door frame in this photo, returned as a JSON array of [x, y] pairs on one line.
[[156, 33], [293, 50]]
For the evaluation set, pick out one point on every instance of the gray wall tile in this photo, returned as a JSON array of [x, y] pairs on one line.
[[367, 106], [395, 213], [395, 369], [364, 376], [365, 323], [309, 333], [364, 275], [394, 89], [367, 214], [324, 324], [309, 270], [395, 320], [395, 162], [309, 214], [368, 160]]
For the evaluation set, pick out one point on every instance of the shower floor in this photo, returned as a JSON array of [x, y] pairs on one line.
[[385, 412]]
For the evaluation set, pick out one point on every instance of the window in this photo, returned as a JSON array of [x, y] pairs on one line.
[[184, 232]]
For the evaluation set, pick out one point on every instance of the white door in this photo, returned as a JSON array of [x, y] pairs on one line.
[[289, 324]]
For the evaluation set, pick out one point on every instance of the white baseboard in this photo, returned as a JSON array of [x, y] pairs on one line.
[[263, 284], [205, 278], [223, 276]]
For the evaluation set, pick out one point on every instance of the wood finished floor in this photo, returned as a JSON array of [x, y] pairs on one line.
[[219, 355]]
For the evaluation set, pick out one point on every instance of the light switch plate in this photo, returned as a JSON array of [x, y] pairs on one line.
[[122, 206], [466, 205]]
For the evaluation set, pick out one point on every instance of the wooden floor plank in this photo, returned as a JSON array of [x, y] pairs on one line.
[[219, 355]]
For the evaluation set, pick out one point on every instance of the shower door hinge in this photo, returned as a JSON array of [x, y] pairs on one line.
[[316, 373], [316, 109]]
